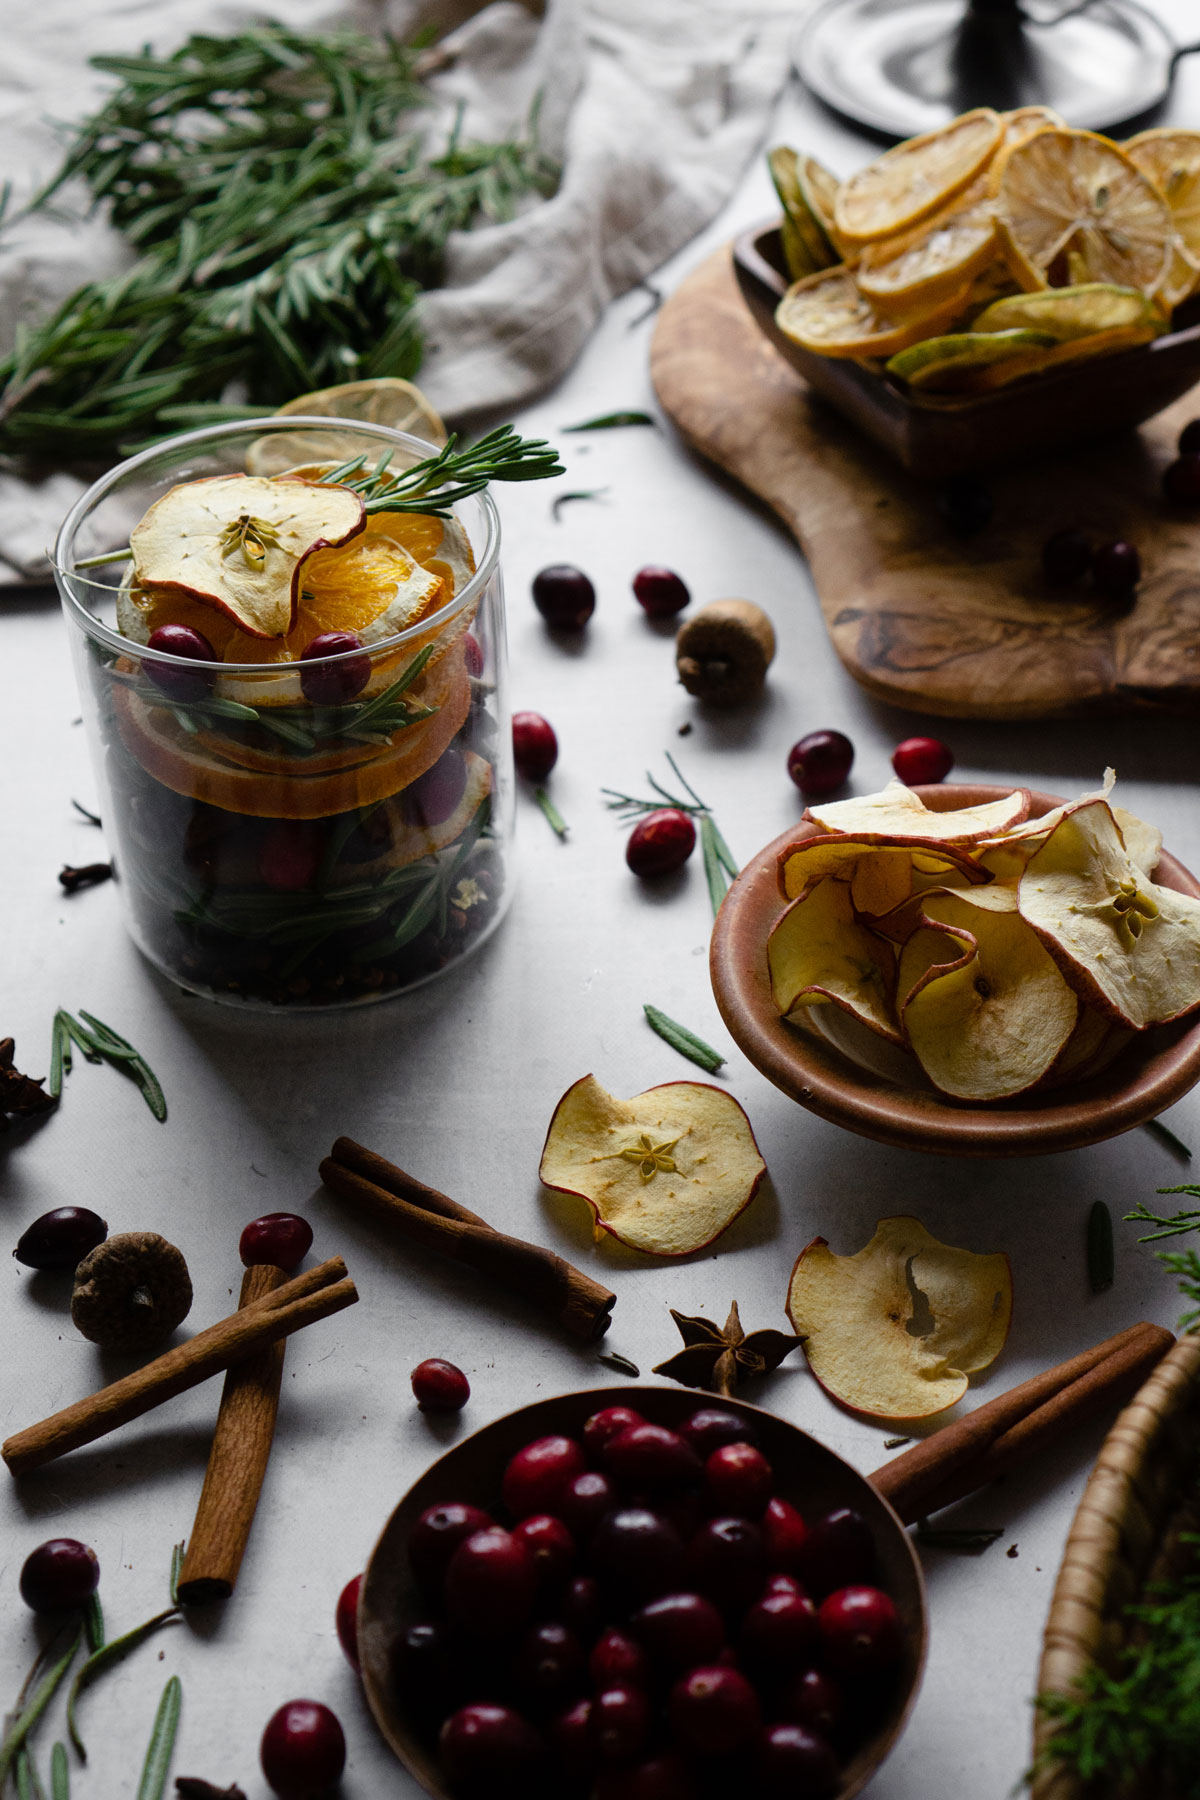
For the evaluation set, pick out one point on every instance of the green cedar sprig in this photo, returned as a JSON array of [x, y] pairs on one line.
[[1184, 1263]]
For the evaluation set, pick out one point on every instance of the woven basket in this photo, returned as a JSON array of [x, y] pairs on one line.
[[1122, 1529]]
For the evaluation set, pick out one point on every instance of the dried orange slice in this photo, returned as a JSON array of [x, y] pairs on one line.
[[936, 258], [915, 178], [826, 313], [1171, 159], [1071, 207]]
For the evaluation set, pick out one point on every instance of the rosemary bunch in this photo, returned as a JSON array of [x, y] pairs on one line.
[[287, 204]]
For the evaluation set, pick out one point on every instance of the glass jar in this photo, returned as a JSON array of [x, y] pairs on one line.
[[277, 847]]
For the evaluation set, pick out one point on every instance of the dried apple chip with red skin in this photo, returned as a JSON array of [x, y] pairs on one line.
[[1129, 946], [897, 814], [238, 542], [665, 1172], [855, 1312], [881, 873], [819, 953], [1144, 842]]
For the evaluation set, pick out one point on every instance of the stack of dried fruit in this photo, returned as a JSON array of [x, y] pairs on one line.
[[650, 1619], [1003, 951], [997, 246]]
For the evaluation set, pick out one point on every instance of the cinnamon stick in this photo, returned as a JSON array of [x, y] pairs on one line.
[[313, 1295], [1016, 1426], [237, 1461], [424, 1216]]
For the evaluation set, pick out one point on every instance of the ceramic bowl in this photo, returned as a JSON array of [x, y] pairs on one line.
[[861, 1083], [937, 436], [806, 1473]]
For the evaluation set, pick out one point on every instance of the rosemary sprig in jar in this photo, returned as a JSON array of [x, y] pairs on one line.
[[719, 865]]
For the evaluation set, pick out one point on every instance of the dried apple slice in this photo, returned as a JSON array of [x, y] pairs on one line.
[[1143, 841], [665, 1172], [896, 1330], [1128, 945], [992, 1022], [881, 874], [819, 954], [896, 812], [237, 542]]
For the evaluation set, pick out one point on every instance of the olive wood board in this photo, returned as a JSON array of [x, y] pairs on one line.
[[965, 627]]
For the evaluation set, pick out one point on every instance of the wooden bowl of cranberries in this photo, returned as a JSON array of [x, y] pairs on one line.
[[642, 1593]]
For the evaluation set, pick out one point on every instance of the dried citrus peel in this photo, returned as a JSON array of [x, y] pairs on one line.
[[895, 1330], [665, 1172]]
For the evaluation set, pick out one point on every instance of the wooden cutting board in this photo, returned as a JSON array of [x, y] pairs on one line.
[[965, 627]]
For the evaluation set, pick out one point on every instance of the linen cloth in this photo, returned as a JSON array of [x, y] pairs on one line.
[[652, 107]]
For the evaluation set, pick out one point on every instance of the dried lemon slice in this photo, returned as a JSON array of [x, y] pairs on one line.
[[1171, 159], [1071, 207], [935, 258], [915, 178], [820, 189], [1073, 312], [1023, 121], [379, 400], [949, 364], [826, 313], [805, 245]]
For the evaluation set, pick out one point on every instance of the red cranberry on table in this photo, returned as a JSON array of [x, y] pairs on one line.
[[650, 1457], [659, 592], [795, 1763], [564, 596], [713, 1710], [60, 1239], [551, 1546], [303, 1750], [1067, 557], [619, 1723], [281, 1238], [489, 1751], [1181, 480], [606, 1424], [490, 1583], [738, 1479], [661, 842], [172, 679], [711, 1426], [538, 1473], [921, 760], [59, 1575], [860, 1631], [347, 1618], [679, 1630], [438, 1533], [439, 1386], [333, 683], [535, 747], [820, 762], [1116, 570]]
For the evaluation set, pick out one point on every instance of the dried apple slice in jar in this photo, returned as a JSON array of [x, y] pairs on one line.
[[665, 1172], [820, 954], [915, 178], [896, 1329]]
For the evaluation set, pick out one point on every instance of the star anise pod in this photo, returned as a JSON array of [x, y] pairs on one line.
[[717, 1357], [20, 1095]]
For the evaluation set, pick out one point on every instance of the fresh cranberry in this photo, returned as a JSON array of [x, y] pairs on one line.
[[713, 1710], [564, 596], [605, 1424], [434, 795], [794, 1763], [585, 1500], [783, 1533], [860, 1631], [473, 655], [650, 1457], [811, 1698], [60, 1239], [548, 1666], [59, 1575], [428, 1667], [1189, 438], [965, 504], [619, 1723], [727, 1560], [919, 760], [346, 1618], [738, 1479], [333, 683], [712, 1426], [659, 592], [617, 1661], [680, 1630], [660, 843], [172, 679], [282, 1239], [1181, 481], [289, 857], [683, 1509], [820, 762], [658, 1778], [303, 1750], [582, 1606], [778, 1633], [439, 1386], [837, 1551], [780, 1583], [536, 1476], [535, 747], [551, 1546], [1116, 570], [490, 1583], [436, 1536], [571, 1738], [639, 1552], [489, 1751], [1067, 557]]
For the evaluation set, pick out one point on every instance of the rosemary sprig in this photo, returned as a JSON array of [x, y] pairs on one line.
[[554, 818], [104, 1658], [60, 1773], [161, 1747], [561, 500], [437, 484], [612, 421], [1100, 1261], [1166, 1136], [683, 1040], [100, 1044], [719, 864], [971, 1540], [45, 1691]]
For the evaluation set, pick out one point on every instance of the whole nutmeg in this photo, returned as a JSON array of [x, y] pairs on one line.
[[131, 1291], [723, 652]]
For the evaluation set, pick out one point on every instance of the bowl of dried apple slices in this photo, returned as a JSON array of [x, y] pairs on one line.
[[971, 970]]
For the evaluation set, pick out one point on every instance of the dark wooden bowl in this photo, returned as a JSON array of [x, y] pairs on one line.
[[808, 1474], [943, 435], [1156, 1068]]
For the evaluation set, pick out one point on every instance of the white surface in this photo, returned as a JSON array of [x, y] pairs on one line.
[[458, 1084]]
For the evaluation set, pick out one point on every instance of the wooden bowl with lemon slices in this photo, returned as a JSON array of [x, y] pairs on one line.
[[842, 1071]]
